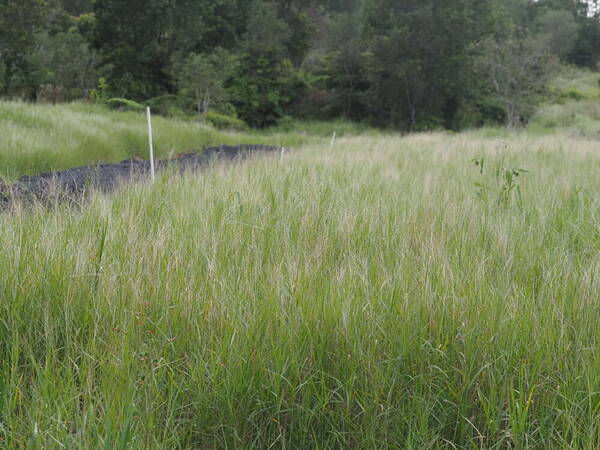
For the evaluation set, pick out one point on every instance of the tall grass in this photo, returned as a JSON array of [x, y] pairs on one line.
[[575, 107], [361, 297], [40, 138], [326, 129]]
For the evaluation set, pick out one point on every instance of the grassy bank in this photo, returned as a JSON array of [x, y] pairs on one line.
[[368, 297], [41, 138], [573, 108]]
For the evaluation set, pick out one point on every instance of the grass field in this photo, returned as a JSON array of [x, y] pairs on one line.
[[430, 291], [363, 297], [41, 138]]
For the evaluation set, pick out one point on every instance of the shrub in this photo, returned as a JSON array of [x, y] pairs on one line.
[[98, 95], [286, 123], [222, 121], [573, 94], [123, 104], [430, 123], [170, 105]]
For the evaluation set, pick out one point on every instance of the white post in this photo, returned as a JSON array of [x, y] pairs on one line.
[[150, 142], [333, 139], [282, 153]]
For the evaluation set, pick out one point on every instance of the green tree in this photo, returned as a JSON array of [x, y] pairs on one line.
[[582, 43], [517, 71], [66, 63], [296, 14], [138, 40], [558, 31], [78, 7], [141, 40], [19, 22], [261, 88], [203, 77], [421, 58], [586, 51], [344, 63]]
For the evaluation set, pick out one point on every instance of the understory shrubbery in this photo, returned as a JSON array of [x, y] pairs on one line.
[[123, 104], [573, 106], [225, 122], [170, 105]]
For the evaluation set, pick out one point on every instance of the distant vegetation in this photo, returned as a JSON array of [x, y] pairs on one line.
[[572, 107], [433, 289], [40, 138], [412, 65]]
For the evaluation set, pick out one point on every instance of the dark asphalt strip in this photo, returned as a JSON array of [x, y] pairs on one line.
[[72, 184]]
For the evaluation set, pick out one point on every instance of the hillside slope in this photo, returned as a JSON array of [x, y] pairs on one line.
[[574, 106], [41, 138]]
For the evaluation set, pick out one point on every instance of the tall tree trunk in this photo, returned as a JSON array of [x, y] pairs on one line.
[[8, 74], [512, 117], [412, 108]]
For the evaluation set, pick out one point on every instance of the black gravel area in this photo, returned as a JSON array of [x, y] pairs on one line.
[[74, 183]]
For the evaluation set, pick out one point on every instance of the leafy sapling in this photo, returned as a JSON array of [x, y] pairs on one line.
[[506, 187]]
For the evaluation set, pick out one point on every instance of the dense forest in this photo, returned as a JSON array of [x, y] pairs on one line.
[[409, 65]]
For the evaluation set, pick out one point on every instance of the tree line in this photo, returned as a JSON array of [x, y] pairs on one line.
[[410, 64]]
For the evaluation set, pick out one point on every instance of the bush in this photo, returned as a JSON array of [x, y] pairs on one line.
[[123, 104], [341, 128], [286, 123], [170, 105], [98, 95], [573, 94], [430, 123], [224, 122]]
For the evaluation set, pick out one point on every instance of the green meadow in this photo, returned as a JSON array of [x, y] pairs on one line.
[[435, 290], [42, 138]]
